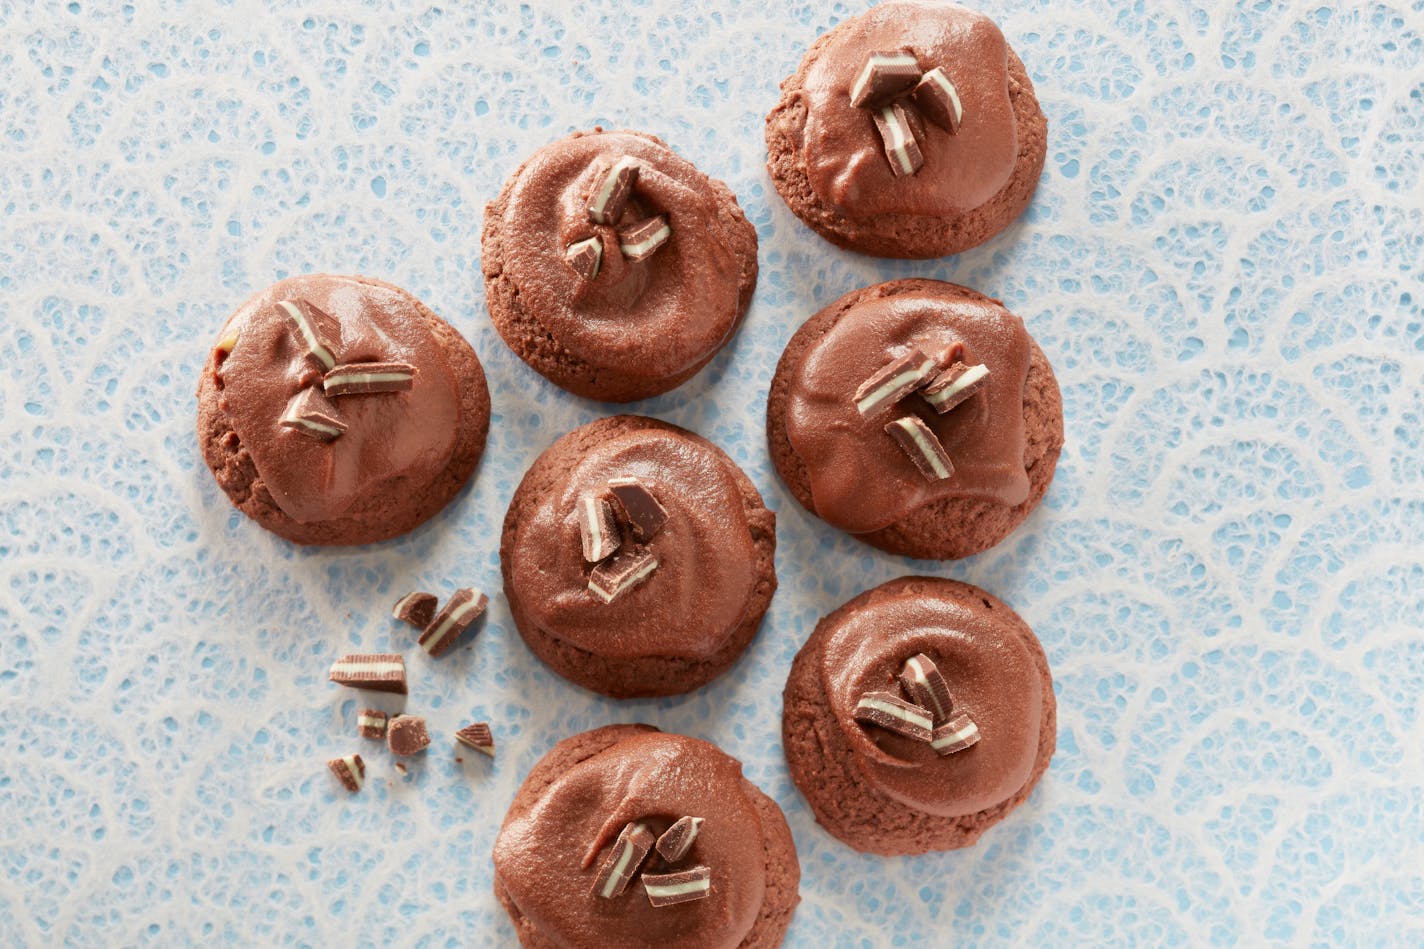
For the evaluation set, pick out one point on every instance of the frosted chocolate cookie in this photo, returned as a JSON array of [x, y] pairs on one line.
[[909, 131], [626, 836], [917, 716], [917, 415], [615, 268], [340, 410], [637, 558]]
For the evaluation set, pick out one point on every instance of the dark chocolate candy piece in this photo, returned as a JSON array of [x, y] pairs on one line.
[[892, 713], [677, 839], [585, 257], [899, 140], [407, 735], [379, 672], [350, 771], [645, 515], [318, 331], [642, 240], [623, 861], [614, 189], [460, 612], [311, 413], [893, 381], [621, 573], [683, 886], [362, 378], [597, 529], [954, 386], [923, 447], [477, 736], [957, 734], [417, 609], [922, 682], [937, 100], [884, 76], [371, 723]]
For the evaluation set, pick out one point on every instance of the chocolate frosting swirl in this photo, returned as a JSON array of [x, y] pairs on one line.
[[991, 676], [696, 597], [860, 480], [845, 160], [398, 436], [651, 318], [548, 856]]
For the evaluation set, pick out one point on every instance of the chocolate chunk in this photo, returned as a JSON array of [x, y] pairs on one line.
[[379, 672], [954, 386], [642, 240], [893, 381], [937, 100], [371, 723], [597, 529], [459, 614], [923, 447], [621, 573], [417, 609], [955, 735], [892, 713], [922, 682], [406, 735], [585, 257], [899, 140], [362, 378], [318, 331], [311, 414], [350, 771], [677, 839], [614, 190], [645, 515], [666, 889], [478, 737], [883, 77], [622, 862]]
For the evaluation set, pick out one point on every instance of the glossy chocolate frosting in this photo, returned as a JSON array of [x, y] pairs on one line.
[[698, 594], [651, 318], [845, 160], [991, 676], [404, 437], [860, 480], [548, 856]]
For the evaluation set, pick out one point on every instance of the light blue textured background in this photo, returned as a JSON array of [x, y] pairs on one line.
[[1222, 264]]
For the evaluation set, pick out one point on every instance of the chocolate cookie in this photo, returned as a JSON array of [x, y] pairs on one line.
[[615, 268], [917, 716], [586, 856], [340, 410], [637, 558], [917, 415], [909, 131]]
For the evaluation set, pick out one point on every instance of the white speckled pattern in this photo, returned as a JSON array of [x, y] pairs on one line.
[[1222, 263]]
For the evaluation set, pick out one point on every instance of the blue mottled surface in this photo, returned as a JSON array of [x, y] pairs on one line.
[[1222, 263]]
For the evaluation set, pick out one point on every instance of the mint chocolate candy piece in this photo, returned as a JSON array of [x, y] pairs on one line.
[[364, 378], [318, 331], [621, 573], [598, 532], [955, 386], [417, 609], [894, 381], [628, 853], [459, 614], [683, 886], [923, 683], [379, 672], [884, 76], [922, 445], [938, 101], [350, 771], [898, 137], [614, 189], [585, 257], [892, 713], [371, 723], [407, 735], [645, 515], [678, 839], [311, 414], [642, 240], [477, 736], [957, 734]]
